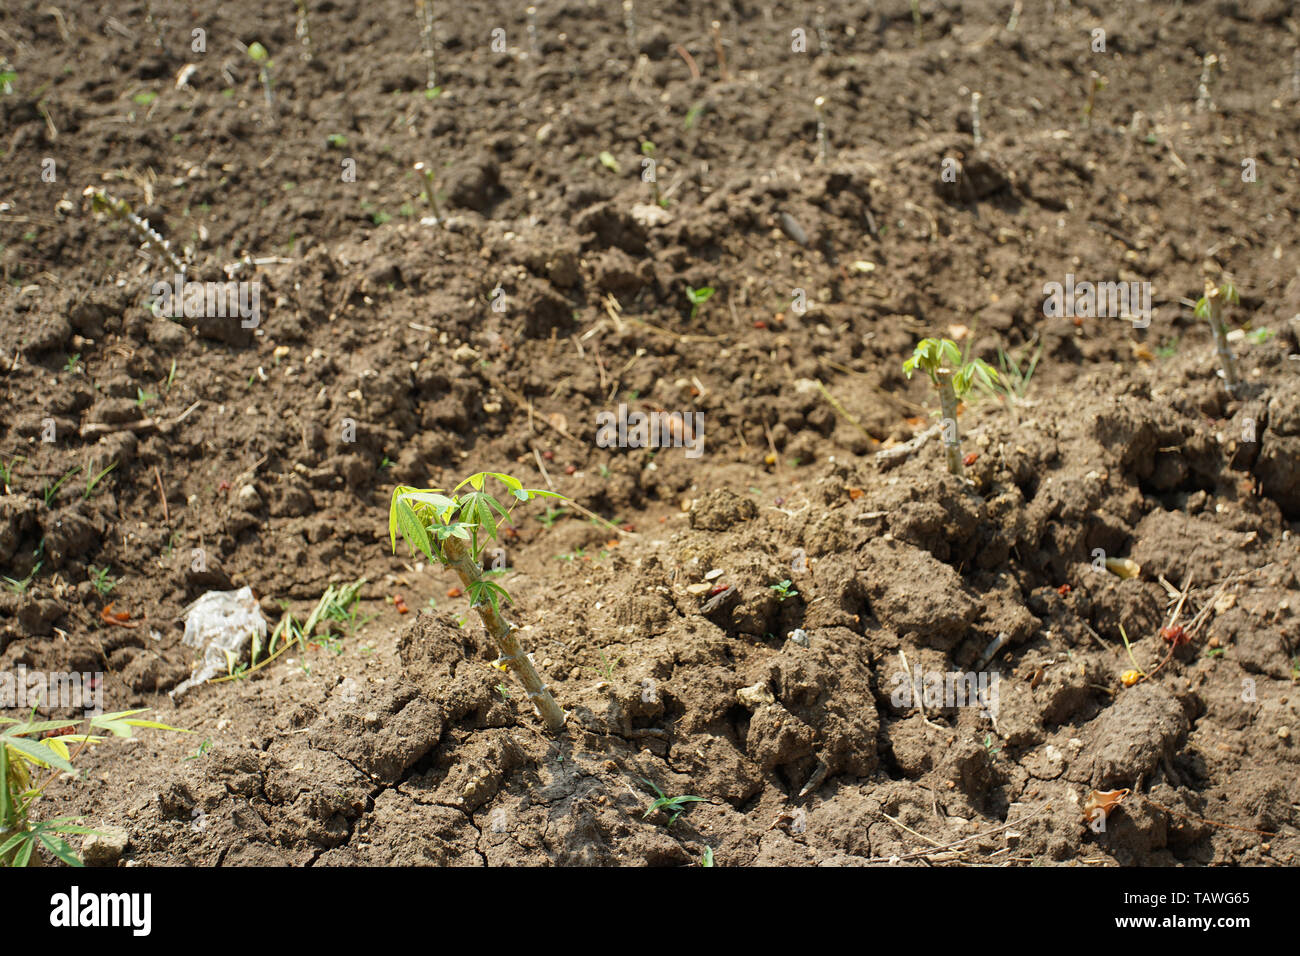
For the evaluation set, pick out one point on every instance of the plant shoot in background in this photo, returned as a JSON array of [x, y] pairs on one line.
[[102, 203], [257, 53], [1210, 308], [941, 360]]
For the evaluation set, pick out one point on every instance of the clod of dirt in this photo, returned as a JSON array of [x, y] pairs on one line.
[[50, 332], [1278, 466], [721, 510], [472, 183], [18, 516], [105, 847], [915, 594], [1128, 741]]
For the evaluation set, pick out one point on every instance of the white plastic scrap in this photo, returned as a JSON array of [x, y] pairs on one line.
[[220, 622]]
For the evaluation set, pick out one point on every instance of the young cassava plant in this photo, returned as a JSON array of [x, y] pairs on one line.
[[454, 529], [953, 378], [101, 203], [26, 754], [1210, 308]]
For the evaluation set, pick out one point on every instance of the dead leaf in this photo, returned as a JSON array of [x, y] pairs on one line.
[[1103, 800]]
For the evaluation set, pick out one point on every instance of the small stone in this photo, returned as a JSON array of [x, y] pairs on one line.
[[249, 499], [104, 848], [799, 636], [714, 574], [1284, 733], [372, 721], [755, 696]]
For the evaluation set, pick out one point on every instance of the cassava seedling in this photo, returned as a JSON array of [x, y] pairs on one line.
[[1096, 83], [303, 30], [102, 202], [783, 590], [257, 53], [822, 147], [424, 11], [24, 753], [698, 297], [941, 360], [1204, 98], [1210, 308], [629, 24], [430, 189], [715, 28], [454, 529], [533, 46]]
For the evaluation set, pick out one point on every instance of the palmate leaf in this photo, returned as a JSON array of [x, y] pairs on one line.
[[27, 728], [38, 753], [488, 591], [412, 528], [59, 847], [6, 802]]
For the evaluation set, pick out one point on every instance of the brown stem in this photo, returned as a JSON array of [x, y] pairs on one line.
[[948, 422], [1227, 361], [503, 632]]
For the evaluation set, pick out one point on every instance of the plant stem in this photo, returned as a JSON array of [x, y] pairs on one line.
[[303, 31], [1227, 361], [502, 631], [948, 421], [425, 10]]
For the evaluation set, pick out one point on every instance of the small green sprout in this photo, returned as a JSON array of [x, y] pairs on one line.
[[20, 586], [551, 516], [257, 53], [51, 491], [675, 806], [1096, 83], [609, 162], [1210, 308], [336, 140], [941, 360], [783, 589], [94, 480], [455, 529], [1012, 383], [100, 580], [607, 671], [698, 297], [7, 472], [430, 194], [72, 363], [201, 751]]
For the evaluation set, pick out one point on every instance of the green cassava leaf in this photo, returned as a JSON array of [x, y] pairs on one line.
[[413, 529]]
